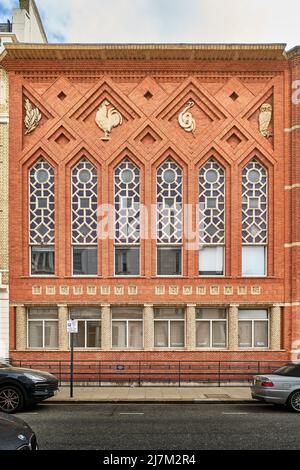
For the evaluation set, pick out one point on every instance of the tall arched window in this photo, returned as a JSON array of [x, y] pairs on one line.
[[254, 219], [127, 219], [169, 219], [211, 219], [84, 218], [41, 218]]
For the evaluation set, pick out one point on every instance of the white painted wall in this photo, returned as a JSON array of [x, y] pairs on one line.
[[26, 26], [4, 321]]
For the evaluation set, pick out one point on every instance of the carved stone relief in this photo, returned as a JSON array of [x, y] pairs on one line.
[[107, 118], [32, 117]]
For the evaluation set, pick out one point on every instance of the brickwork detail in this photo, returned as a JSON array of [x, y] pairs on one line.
[[170, 167]]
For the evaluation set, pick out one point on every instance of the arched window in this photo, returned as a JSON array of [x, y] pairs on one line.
[[169, 186], [127, 219], [84, 184], [211, 219], [41, 218], [254, 219]]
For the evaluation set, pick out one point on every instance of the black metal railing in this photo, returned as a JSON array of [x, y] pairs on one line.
[[154, 373], [6, 27]]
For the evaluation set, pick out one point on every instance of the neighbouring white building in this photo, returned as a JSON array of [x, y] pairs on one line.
[[25, 26]]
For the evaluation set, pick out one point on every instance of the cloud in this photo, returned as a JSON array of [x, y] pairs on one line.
[[169, 20], [172, 20]]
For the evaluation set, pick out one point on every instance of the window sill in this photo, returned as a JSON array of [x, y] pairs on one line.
[[41, 349], [86, 349], [212, 349], [40, 276], [253, 349], [126, 349]]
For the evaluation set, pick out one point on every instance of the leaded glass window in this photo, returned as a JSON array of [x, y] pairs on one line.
[[127, 203], [254, 204], [41, 204], [169, 203], [254, 219], [84, 203], [211, 218], [41, 219], [127, 218], [84, 218]]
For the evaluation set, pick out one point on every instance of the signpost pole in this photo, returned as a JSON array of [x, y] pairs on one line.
[[72, 327], [72, 365]]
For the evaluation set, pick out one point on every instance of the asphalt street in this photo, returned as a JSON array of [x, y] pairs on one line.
[[163, 426]]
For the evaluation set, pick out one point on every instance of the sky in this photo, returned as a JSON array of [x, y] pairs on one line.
[[171, 21]]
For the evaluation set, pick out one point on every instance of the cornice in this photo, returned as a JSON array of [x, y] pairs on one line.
[[189, 52], [294, 52]]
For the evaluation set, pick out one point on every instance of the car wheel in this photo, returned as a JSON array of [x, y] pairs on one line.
[[11, 399], [294, 401]]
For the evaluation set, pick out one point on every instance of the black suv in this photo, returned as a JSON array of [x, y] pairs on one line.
[[15, 434], [21, 387]]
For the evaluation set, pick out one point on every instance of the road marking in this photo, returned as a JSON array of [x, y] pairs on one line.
[[233, 413], [132, 413]]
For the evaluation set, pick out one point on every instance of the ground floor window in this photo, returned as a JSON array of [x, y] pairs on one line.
[[42, 328], [169, 328], [89, 327], [211, 328], [127, 328], [253, 328]]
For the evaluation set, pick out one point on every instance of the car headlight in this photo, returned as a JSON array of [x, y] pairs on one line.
[[34, 377]]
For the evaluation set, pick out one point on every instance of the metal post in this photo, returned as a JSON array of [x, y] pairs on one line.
[[72, 365], [139, 373]]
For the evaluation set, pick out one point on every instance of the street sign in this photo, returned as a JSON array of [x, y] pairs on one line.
[[72, 326]]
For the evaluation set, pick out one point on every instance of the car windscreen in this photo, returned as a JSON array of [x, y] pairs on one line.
[[290, 370]]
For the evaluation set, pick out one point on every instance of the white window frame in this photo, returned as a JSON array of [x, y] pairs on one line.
[[79, 245], [252, 331], [169, 320], [224, 262], [212, 320], [30, 244], [43, 320], [72, 260], [85, 320], [30, 261], [177, 245], [127, 321], [121, 246], [265, 245]]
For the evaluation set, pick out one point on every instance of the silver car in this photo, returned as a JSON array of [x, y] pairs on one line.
[[282, 387]]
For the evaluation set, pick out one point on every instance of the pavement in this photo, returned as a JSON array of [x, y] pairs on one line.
[[155, 394]]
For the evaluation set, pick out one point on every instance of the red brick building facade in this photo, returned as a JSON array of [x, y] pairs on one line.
[[217, 123]]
